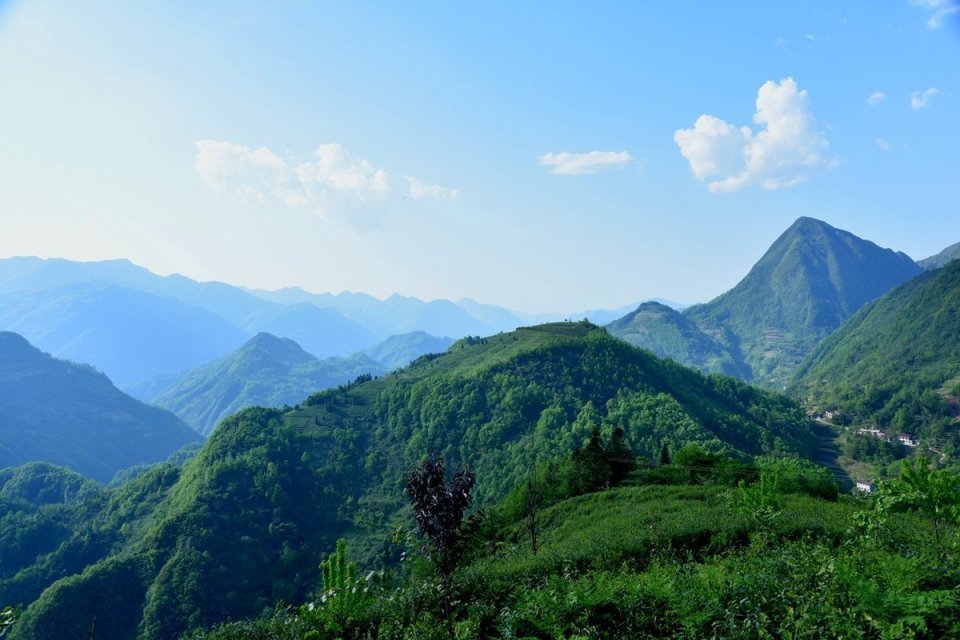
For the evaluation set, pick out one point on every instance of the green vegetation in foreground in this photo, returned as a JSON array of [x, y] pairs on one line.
[[241, 526], [682, 562], [896, 364]]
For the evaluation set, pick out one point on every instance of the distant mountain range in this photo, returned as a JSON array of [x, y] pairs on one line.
[[71, 415], [137, 326], [810, 280], [130, 335]]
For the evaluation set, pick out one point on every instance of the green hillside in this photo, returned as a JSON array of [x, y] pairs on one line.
[[810, 280], [400, 350], [71, 415], [266, 371], [896, 363], [941, 259], [682, 562], [244, 524], [669, 334]]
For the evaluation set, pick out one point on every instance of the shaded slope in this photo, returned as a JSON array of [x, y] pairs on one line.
[[670, 334], [266, 371], [71, 415], [895, 362], [810, 280]]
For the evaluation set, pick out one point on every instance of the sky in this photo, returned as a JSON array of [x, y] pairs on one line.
[[544, 156]]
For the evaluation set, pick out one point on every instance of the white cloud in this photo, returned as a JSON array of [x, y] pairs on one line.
[[937, 10], [254, 174], [883, 144], [876, 98], [419, 190], [578, 164], [333, 167], [782, 153], [920, 99], [331, 181]]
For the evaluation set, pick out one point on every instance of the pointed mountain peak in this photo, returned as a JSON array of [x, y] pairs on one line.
[[812, 278]]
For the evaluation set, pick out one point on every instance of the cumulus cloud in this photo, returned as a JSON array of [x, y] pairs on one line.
[[578, 164], [333, 167], [876, 98], [921, 99], [937, 10], [254, 174], [420, 190], [330, 180], [786, 148]]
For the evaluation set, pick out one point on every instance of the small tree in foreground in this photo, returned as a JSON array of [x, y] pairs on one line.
[[439, 508]]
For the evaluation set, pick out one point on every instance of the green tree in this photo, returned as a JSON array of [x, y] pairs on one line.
[[620, 457], [591, 468], [664, 454], [933, 493]]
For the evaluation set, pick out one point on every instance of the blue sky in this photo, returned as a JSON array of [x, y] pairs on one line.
[[546, 156]]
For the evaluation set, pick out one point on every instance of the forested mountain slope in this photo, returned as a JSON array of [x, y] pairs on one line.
[[244, 524], [71, 415], [669, 334], [266, 371], [896, 363], [810, 280]]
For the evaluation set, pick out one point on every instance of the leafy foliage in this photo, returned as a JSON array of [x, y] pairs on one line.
[[439, 510]]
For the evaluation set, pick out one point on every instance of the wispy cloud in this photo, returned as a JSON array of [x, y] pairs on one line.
[[785, 150], [883, 144], [921, 99], [937, 10], [330, 180], [876, 98], [565, 163], [419, 190]]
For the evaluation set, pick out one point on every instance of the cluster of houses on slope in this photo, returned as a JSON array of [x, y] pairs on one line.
[[905, 439]]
